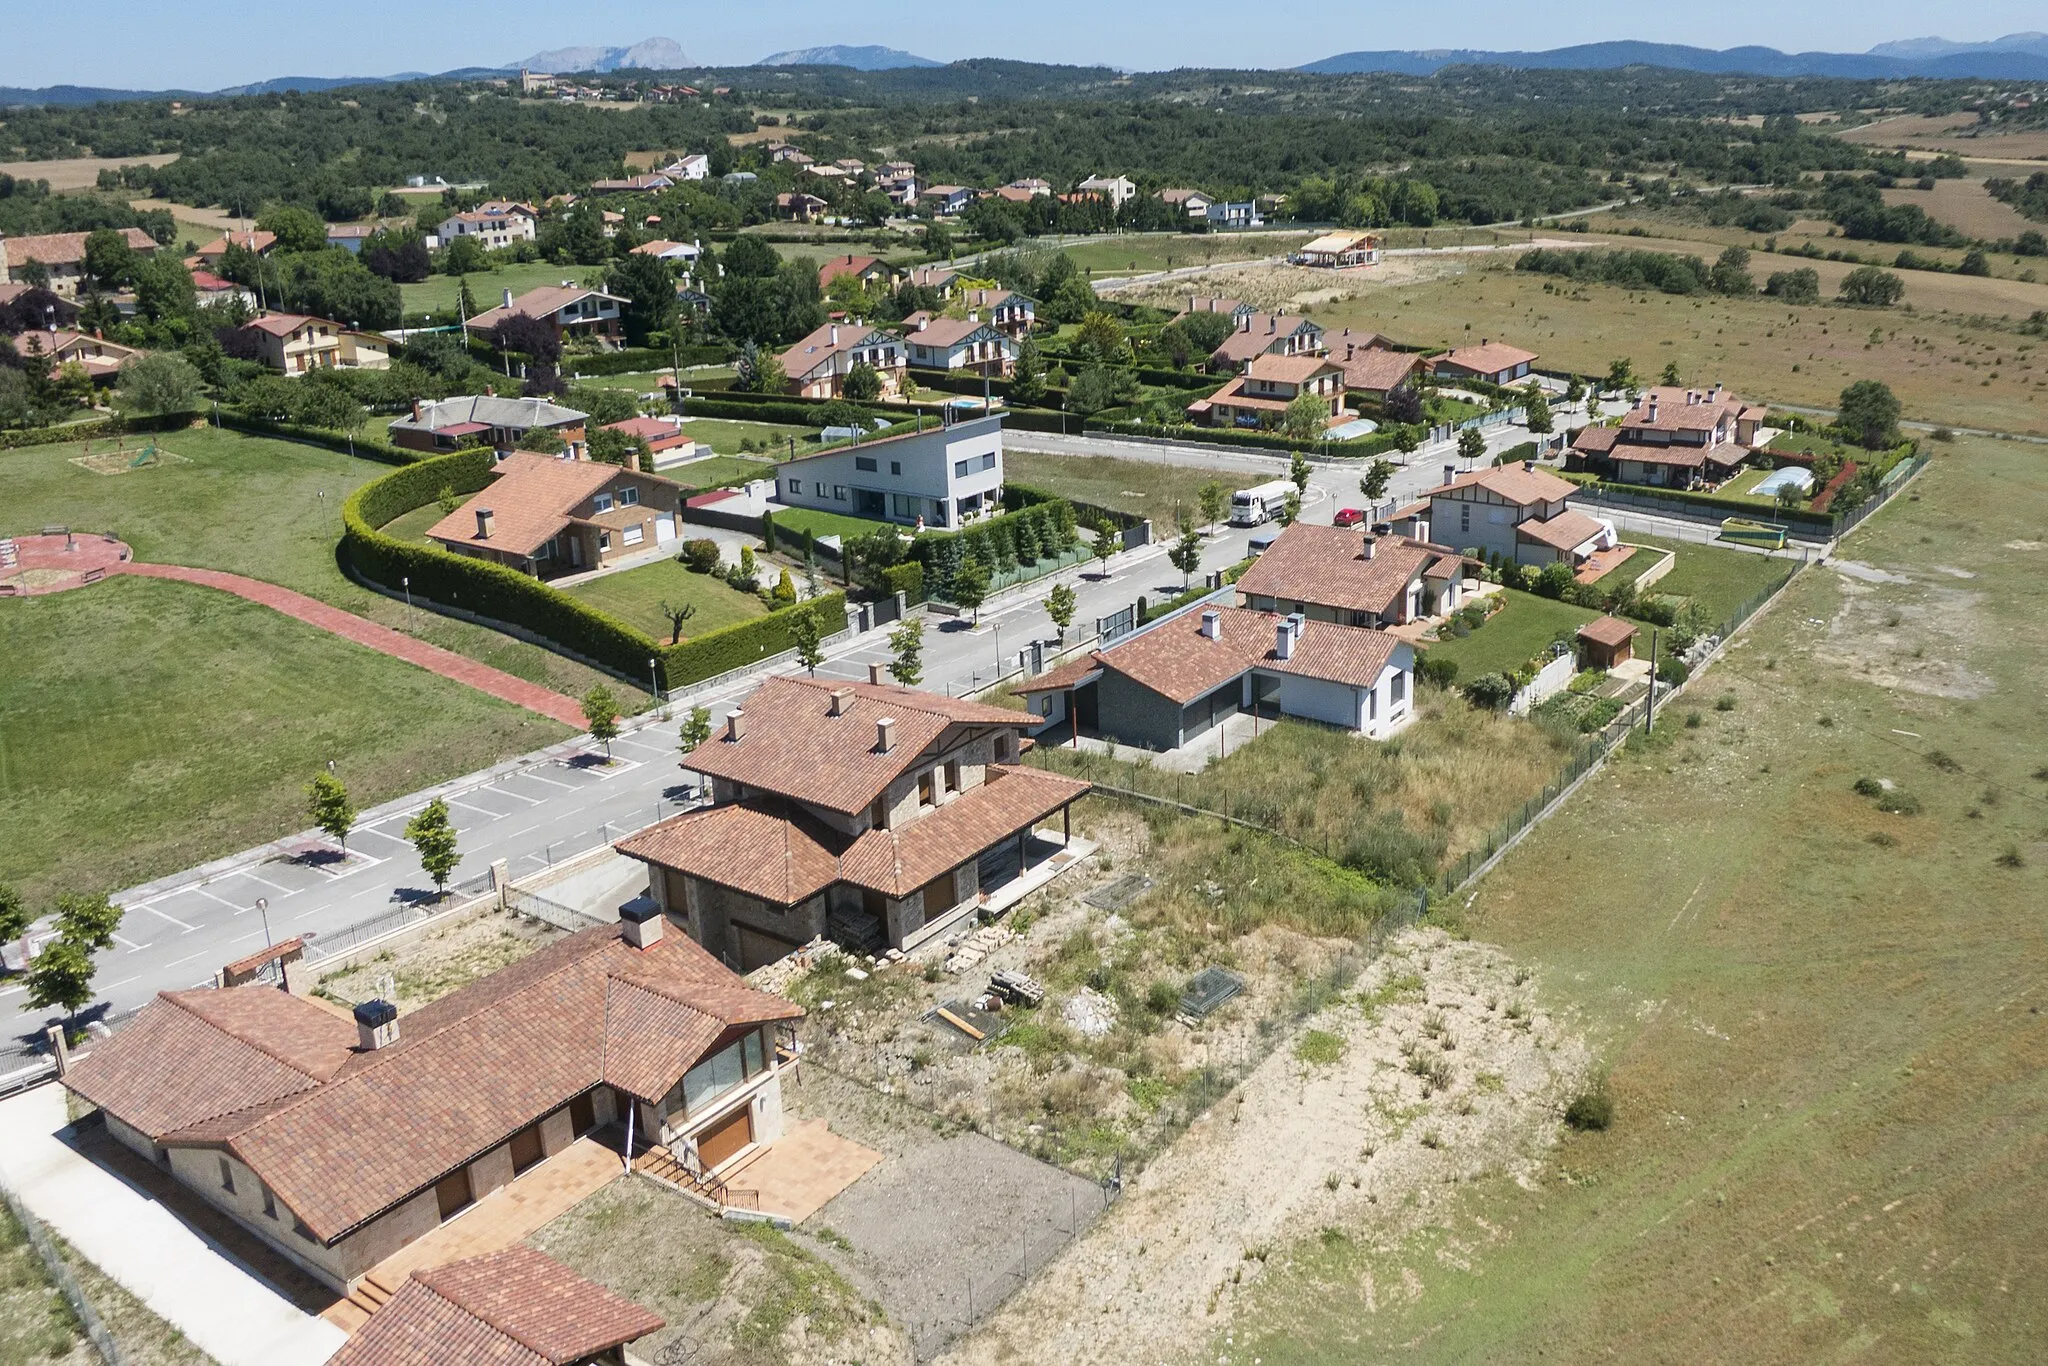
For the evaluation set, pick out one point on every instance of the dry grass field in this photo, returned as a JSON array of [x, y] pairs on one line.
[[1936, 133], [78, 173], [1965, 206]]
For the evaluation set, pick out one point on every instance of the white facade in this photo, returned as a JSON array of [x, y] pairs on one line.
[[494, 231], [946, 476]]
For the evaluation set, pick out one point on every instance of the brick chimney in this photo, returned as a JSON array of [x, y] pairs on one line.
[[841, 698], [1212, 624], [376, 1025], [416, 411], [736, 724], [875, 675], [484, 518], [1283, 639], [885, 734], [640, 925], [1653, 409]]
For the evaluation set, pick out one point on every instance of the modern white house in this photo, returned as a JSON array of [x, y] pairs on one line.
[[943, 476], [1118, 190]]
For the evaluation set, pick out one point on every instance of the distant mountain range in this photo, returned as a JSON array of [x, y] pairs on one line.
[[649, 54], [2019, 56], [872, 57]]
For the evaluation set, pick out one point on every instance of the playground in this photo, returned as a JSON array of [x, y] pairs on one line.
[[56, 559], [115, 456]]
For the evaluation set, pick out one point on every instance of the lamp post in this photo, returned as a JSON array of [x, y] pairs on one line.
[[407, 581], [263, 909], [654, 677]]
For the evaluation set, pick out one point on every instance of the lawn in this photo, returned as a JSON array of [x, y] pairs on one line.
[[1169, 251], [720, 471], [821, 523], [1512, 636], [155, 725], [649, 381], [636, 595], [1142, 488], [437, 293], [727, 436], [1719, 580], [1821, 1023]]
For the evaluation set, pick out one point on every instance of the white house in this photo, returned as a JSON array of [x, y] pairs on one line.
[[493, 231], [1117, 189], [967, 344], [941, 476], [695, 166]]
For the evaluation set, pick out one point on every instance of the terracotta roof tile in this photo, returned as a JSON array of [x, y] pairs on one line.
[[1488, 358], [1327, 566], [1178, 662], [530, 498], [1566, 531], [1264, 332], [1376, 370], [1596, 440], [63, 248], [1608, 631], [898, 862], [1520, 486]]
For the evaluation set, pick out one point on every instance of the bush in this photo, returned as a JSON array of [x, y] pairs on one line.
[[1657, 609], [1590, 1111], [1898, 802], [701, 555], [1869, 787], [1490, 692], [1431, 669], [906, 578], [1673, 671]]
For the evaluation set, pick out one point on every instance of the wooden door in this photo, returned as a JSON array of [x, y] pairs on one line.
[[718, 1143], [452, 1193], [527, 1148], [582, 1114]]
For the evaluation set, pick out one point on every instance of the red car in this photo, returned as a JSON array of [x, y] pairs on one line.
[[1349, 516]]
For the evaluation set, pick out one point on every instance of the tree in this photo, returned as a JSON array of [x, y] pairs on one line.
[[1102, 336], [1574, 392], [863, 383], [297, 230], [1072, 301], [758, 371], [1974, 262], [433, 837], [906, 650], [695, 730], [1730, 274], [650, 294], [1186, 555], [678, 613], [1298, 471], [970, 586], [1554, 579], [1471, 445], [1403, 403], [601, 717], [805, 632], [1373, 483], [160, 382], [334, 815], [542, 441], [1290, 509], [1098, 387], [1059, 607], [1800, 286], [60, 975], [108, 257], [1537, 406], [1671, 375], [1306, 417], [1871, 286], [1869, 414], [14, 915], [610, 447], [1027, 379], [1621, 374], [1407, 439], [1109, 538], [89, 921]]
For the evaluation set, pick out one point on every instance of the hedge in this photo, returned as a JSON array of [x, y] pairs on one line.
[[1646, 496], [1049, 526], [22, 437], [630, 359], [1377, 444], [502, 594], [1019, 496]]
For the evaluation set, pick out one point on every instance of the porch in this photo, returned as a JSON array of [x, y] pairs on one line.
[[790, 1178]]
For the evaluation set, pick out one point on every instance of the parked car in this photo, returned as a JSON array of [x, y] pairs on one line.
[[1349, 516]]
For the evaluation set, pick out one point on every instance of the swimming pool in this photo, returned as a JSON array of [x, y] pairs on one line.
[[1789, 477]]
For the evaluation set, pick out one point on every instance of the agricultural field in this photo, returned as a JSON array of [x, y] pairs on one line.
[[1170, 251], [635, 596], [1966, 206], [1142, 488], [438, 293], [1818, 1012], [1932, 134], [726, 435], [79, 173]]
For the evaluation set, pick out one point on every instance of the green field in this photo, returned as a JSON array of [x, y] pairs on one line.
[[1169, 251], [636, 595], [1822, 1024], [437, 293], [720, 471], [1139, 487], [153, 725], [1512, 636], [1718, 580], [820, 523], [724, 435]]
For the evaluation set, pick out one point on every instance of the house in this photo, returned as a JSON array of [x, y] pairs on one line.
[[1517, 513], [1339, 251], [451, 424], [25, 304], [659, 435], [851, 165], [799, 207], [901, 187], [1492, 361], [784, 153], [338, 1142], [612, 221], [1010, 194], [494, 230], [519, 1307], [946, 200], [546, 515], [249, 239], [1675, 437], [670, 251], [647, 182], [350, 236], [1605, 642], [1261, 396], [572, 310], [817, 366], [1117, 189], [61, 255], [869, 270], [691, 166], [1193, 203], [941, 280], [1372, 368], [1204, 303], [896, 168], [1354, 578], [100, 359], [1009, 312], [962, 344], [941, 475], [294, 344], [876, 815], [1244, 214], [825, 170], [1266, 334], [1168, 684]]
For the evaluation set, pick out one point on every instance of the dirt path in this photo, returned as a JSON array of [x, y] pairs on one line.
[[382, 639], [1438, 1069]]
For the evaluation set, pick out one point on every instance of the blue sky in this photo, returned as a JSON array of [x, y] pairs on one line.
[[193, 45]]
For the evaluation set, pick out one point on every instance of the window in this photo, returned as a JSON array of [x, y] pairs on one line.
[[878, 814], [269, 1204], [864, 463], [602, 502], [227, 1177], [752, 1056], [952, 775], [927, 788], [959, 469], [712, 1077], [1464, 516], [839, 493], [634, 535], [895, 467], [453, 1194], [795, 486], [629, 496], [988, 462], [527, 1148], [1399, 688], [604, 541]]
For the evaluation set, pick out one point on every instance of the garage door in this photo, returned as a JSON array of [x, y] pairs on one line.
[[718, 1143], [664, 529], [758, 949]]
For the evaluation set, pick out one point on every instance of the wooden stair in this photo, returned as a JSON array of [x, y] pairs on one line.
[[659, 1163], [370, 1295]]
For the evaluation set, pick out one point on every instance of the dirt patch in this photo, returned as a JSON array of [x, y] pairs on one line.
[[1290, 288], [79, 173], [1437, 1069], [1901, 633], [430, 967]]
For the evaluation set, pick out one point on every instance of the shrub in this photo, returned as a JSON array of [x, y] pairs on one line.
[[1693, 720], [1590, 1110], [1725, 702], [1490, 692], [700, 554], [1673, 671], [1657, 609], [1898, 802], [1432, 669], [1162, 997]]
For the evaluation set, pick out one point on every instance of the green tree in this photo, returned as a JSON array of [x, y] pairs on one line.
[[678, 613], [1871, 286], [1102, 336], [1373, 483], [1574, 392], [433, 837], [1290, 509], [1407, 440], [1098, 387], [542, 441], [906, 651], [14, 915], [601, 717], [1471, 445], [1072, 301], [1671, 375], [1298, 471], [1210, 500], [1621, 374], [1059, 607], [1730, 274], [863, 383], [333, 813], [1800, 286], [807, 635], [108, 257], [1869, 414], [1537, 405], [1027, 379], [1306, 418], [1186, 555], [695, 730], [1554, 579], [60, 976], [970, 586], [1109, 538], [89, 921], [297, 230], [650, 294], [160, 382]]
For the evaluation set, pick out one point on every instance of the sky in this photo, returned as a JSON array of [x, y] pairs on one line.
[[187, 44]]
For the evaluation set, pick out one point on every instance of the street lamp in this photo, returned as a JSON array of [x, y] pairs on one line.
[[654, 677], [263, 909], [407, 581]]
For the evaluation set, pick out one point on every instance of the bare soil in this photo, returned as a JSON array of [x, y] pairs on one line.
[[79, 173], [430, 967], [1966, 206]]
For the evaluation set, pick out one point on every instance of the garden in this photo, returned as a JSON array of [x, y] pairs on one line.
[[643, 597]]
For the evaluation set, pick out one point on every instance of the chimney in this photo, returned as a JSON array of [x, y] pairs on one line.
[[1272, 325], [484, 518], [885, 734], [1450, 474], [1372, 545], [1283, 639], [841, 697], [1212, 624], [875, 675], [923, 323], [640, 924], [376, 1025], [1529, 466], [1244, 324], [835, 334], [1653, 408], [1348, 348], [1295, 621], [973, 316], [416, 411], [736, 724], [508, 298]]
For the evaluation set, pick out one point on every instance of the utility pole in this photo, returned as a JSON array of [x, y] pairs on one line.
[[1650, 707]]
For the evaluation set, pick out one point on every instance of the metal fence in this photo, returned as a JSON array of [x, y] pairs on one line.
[[67, 1284], [551, 912], [331, 942]]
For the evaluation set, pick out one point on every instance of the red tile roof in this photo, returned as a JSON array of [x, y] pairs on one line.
[[1596, 440], [63, 248], [1266, 332], [1520, 486], [1608, 631], [1179, 663], [1327, 566], [284, 324], [1488, 358], [1376, 370], [847, 265], [249, 239], [530, 498], [518, 1307], [1680, 409], [1568, 530]]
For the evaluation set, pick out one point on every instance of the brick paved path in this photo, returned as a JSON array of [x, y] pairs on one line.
[[382, 639]]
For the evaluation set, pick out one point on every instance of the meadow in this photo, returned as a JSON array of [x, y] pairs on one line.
[[438, 293]]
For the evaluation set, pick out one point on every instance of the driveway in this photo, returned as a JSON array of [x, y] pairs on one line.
[[191, 1281]]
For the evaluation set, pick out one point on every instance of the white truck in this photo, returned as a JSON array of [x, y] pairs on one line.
[[1260, 504]]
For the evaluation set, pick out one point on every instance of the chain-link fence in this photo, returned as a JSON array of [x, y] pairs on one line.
[[67, 1284]]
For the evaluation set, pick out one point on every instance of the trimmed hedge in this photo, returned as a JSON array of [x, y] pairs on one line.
[[1020, 496], [1646, 496], [21, 438], [628, 360]]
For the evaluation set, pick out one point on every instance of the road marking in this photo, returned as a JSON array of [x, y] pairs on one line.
[[173, 919], [188, 958], [281, 888], [635, 744], [566, 787], [123, 939], [481, 811], [108, 987], [237, 907], [502, 791], [380, 834]]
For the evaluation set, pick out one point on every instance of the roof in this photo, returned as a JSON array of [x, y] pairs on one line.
[[950, 331], [847, 265], [518, 1307], [1566, 531], [1596, 440], [1680, 409], [663, 247], [347, 231], [249, 239], [1327, 566], [518, 414], [530, 498], [193, 1056], [1376, 369], [1263, 332], [1289, 369], [1515, 483], [933, 277], [62, 248], [795, 747], [1178, 662], [284, 324], [544, 302], [1336, 243], [478, 1065], [651, 428], [993, 298], [819, 348], [1608, 631], [1182, 196], [769, 848], [1487, 358]]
